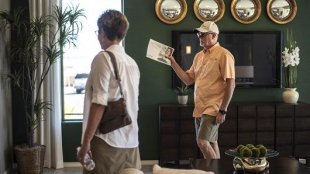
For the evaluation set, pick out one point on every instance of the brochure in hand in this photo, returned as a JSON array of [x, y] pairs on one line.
[[159, 52]]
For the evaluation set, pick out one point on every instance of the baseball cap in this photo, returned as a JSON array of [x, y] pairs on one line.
[[208, 27]]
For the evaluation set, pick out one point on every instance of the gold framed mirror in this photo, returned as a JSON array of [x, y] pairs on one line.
[[209, 10], [246, 11], [171, 11], [281, 11]]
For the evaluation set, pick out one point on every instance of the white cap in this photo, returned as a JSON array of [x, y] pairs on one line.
[[208, 27]]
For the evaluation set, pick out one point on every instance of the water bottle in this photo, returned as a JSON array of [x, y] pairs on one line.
[[89, 163]]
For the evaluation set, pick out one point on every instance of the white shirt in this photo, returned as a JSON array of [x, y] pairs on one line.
[[102, 87]]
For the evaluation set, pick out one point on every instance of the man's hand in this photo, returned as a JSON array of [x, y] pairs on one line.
[[85, 148], [171, 58], [220, 118]]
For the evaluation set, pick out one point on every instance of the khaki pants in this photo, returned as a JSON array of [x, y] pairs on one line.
[[110, 160]]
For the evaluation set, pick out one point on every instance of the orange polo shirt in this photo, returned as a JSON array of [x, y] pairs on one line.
[[210, 69]]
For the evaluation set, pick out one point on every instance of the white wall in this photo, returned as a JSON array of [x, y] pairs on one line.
[[6, 150]]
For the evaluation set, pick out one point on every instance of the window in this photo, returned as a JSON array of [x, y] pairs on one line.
[[77, 60]]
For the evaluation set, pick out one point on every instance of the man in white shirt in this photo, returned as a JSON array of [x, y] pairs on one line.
[[118, 149]]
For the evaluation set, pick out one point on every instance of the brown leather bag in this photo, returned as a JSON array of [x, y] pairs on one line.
[[115, 115]]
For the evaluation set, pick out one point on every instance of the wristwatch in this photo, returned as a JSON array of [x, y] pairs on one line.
[[223, 112]]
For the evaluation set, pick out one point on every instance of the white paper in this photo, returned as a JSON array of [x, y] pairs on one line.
[[159, 52]]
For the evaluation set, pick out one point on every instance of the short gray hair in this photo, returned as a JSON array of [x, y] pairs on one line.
[[114, 24]]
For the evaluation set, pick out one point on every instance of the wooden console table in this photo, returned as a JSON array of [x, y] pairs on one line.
[[277, 165]]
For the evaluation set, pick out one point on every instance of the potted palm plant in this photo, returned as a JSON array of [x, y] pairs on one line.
[[182, 92], [32, 59]]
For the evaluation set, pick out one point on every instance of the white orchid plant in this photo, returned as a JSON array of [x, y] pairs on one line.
[[290, 59]]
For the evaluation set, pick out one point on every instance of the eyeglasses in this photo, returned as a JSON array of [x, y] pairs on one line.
[[201, 35]]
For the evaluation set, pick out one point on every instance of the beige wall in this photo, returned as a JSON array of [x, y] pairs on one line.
[[5, 104]]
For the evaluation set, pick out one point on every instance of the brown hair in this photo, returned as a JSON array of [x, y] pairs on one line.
[[114, 24]]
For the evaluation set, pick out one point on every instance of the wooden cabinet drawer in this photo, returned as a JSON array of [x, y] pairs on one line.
[[169, 127], [246, 137], [246, 124], [247, 111], [230, 125], [302, 137], [186, 112], [265, 111], [265, 124], [302, 124], [187, 153], [169, 141], [188, 140], [284, 110], [266, 138], [286, 151], [169, 154], [284, 138], [285, 124], [187, 126], [227, 139], [302, 151], [167, 113]]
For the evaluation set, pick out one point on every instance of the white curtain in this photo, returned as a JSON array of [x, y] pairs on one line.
[[49, 132]]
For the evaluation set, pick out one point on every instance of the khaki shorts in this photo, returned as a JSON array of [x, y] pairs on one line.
[[206, 128], [111, 160]]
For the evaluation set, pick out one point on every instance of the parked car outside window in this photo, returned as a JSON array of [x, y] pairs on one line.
[[80, 82]]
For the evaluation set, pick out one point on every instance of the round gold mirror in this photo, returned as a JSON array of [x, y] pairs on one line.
[[281, 11], [171, 11], [209, 10], [246, 11]]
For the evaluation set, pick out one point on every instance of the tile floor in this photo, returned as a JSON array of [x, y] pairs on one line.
[[77, 170]]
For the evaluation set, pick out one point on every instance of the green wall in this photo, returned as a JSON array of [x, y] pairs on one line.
[[156, 78]]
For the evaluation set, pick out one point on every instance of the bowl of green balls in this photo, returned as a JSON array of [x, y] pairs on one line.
[[250, 150], [250, 157]]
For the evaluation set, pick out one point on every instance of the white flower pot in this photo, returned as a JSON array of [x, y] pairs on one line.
[[290, 95], [182, 99]]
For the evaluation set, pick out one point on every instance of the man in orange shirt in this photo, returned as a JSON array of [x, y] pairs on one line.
[[213, 73]]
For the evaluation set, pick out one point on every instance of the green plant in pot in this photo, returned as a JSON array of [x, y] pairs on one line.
[[31, 58], [182, 92]]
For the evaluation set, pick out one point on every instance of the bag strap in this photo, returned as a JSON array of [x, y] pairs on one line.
[[113, 60]]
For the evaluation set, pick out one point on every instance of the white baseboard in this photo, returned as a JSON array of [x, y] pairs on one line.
[[72, 164], [77, 164]]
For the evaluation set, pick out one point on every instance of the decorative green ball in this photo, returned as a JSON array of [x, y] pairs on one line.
[[263, 151], [259, 145], [241, 151], [250, 146], [255, 152], [250, 150], [246, 152], [239, 148]]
